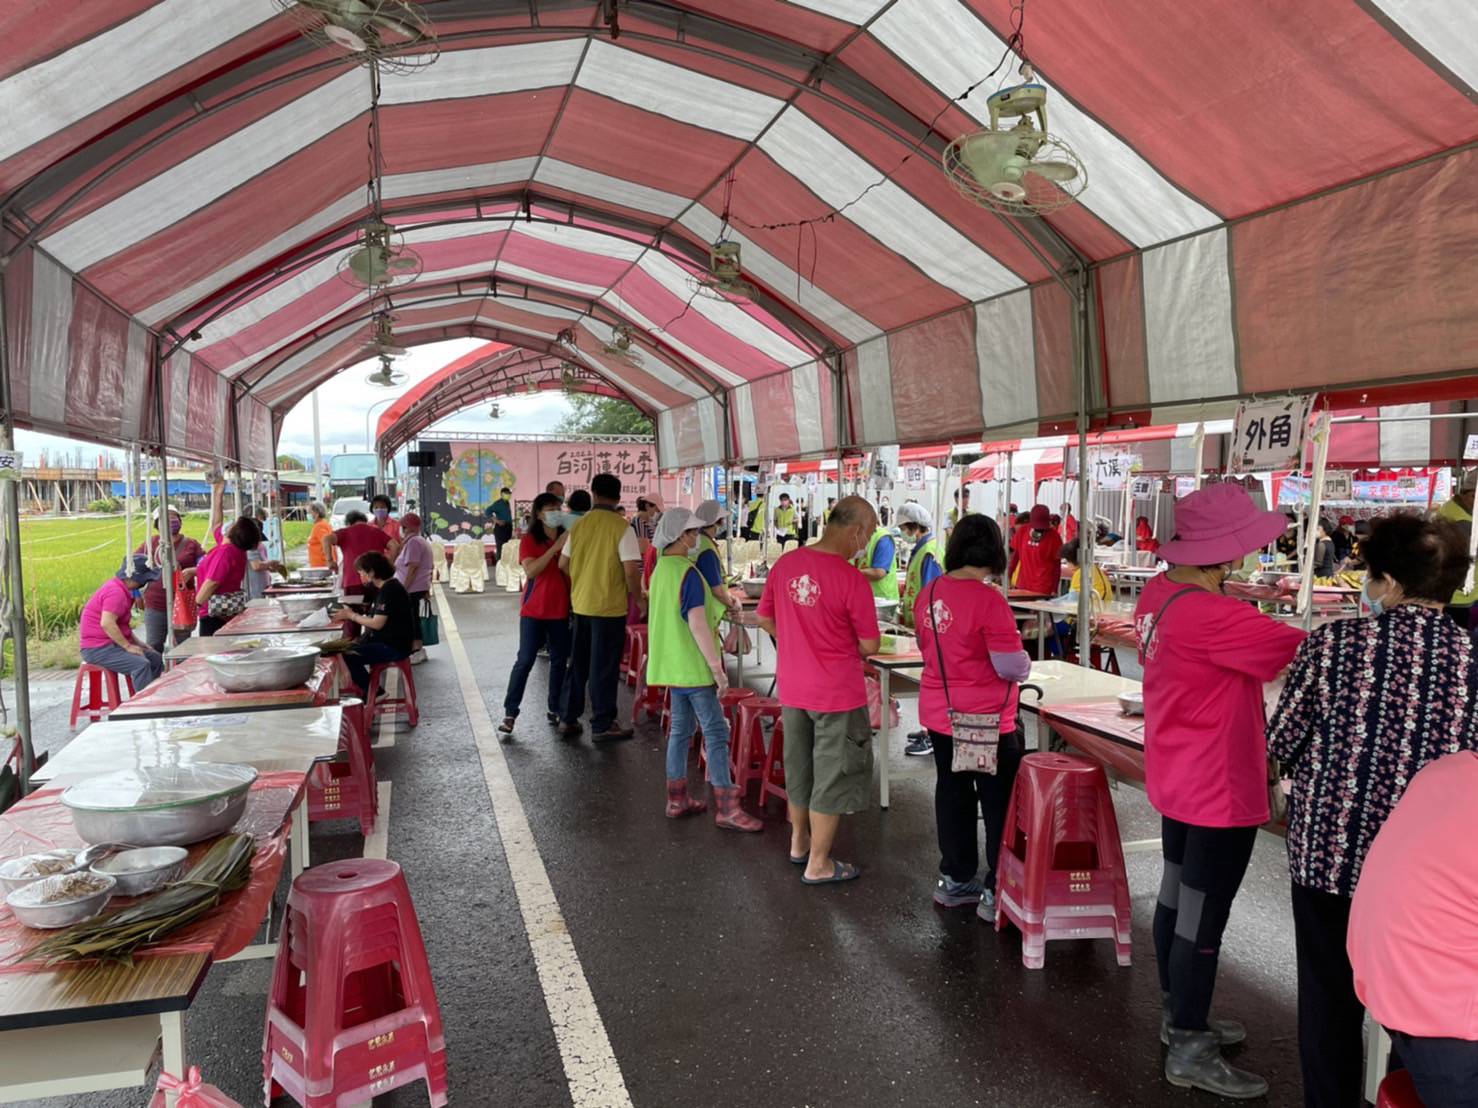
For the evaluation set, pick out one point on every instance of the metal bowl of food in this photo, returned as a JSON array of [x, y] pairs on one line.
[[754, 587], [17, 873], [160, 805], [1131, 702], [61, 901], [298, 607], [314, 573], [271, 667], [143, 870], [887, 608]]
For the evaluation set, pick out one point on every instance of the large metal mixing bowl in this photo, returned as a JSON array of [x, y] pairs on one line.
[[272, 667], [160, 805], [297, 607]]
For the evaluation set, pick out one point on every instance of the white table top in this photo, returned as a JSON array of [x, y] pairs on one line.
[[1057, 607], [1066, 683], [288, 740], [196, 646]]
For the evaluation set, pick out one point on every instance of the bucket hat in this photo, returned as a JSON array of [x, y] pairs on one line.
[[1041, 518], [138, 568], [1219, 523]]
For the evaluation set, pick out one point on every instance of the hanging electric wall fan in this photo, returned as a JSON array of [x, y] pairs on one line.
[[1020, 170], [386, 344], [724, 279], [393, 34], [622, 347], [387, 376], [381, 259]]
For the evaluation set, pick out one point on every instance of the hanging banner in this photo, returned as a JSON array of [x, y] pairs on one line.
[[884, 465], [1339, 484], [10, 465], [1112, 469], [1269, 434], [721, 485]]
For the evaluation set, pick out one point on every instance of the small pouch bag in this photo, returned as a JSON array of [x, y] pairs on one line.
[[976, 736]]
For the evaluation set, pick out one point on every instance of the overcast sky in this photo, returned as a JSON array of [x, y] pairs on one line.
[[346, 401]]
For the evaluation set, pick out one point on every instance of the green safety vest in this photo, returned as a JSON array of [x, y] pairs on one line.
[[714, 607], [752, 511], [785, 521], [912, 584], [673, 658], [886, 586]]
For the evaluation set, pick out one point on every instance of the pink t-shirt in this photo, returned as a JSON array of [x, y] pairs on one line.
[[822, 607], [1205, 749], [973, 619], [224, 564], [1413, 938], [114, 596], [418, 548]]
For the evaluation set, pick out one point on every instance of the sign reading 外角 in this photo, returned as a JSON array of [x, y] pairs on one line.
[[1269, 434], [1339, 484]]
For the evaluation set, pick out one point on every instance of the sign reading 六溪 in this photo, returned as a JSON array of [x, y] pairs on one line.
[[1269, 434]]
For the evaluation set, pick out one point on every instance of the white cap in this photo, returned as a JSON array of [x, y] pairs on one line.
[[916, 514], [710, 512], [673, 523], [173, 508]]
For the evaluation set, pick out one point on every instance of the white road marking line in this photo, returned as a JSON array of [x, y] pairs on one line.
[[591, 1069]]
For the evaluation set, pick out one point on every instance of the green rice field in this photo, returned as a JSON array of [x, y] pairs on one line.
[[65, 560]]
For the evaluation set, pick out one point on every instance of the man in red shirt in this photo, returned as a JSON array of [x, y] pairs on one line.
[[1036, 555], [357, 536]]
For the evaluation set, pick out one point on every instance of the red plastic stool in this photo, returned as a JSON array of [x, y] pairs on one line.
[[634, 659], [728, 702], [1061, 870], [347, 787], [772, 773], [1397, 1091], [352, 1013], [377, 704], [747, 742], [652, 699], [102, 693]]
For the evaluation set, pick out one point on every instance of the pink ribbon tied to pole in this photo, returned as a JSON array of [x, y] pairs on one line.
[[191, 1092]]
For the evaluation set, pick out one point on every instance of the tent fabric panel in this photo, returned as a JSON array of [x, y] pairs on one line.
[[1006, 359], [811, 419], [1120, 301], [95, 373], [935, 383], [18, 283], [1443, 30], [1405, 443], [872, 394], [746, 433], [1367, 283], [710, 422], [138, 367], [1189, 343], [1194, 91], [49, 350], [1052, 335], [775, 417]]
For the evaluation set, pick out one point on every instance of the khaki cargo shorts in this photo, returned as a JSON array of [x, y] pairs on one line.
[[828, 760]]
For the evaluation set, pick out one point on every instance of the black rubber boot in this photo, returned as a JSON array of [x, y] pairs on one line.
[[1195, 1062], [1228, 1032]]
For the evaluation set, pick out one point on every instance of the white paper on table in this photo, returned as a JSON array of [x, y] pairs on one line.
[[315, 621]]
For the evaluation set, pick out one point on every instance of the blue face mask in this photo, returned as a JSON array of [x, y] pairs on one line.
[[1372, 602]]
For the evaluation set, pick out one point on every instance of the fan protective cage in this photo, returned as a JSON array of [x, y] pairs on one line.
[[1042, 196], [362, 29]]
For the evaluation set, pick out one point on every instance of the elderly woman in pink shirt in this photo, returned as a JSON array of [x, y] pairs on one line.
[[414, 566], [106, 628], [1206, 658]]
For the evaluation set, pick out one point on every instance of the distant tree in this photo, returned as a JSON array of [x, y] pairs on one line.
[[602, 415], [287, 461]]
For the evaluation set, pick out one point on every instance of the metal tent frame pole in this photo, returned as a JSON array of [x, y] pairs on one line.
[[10, 506], [166, 536], [1086, 529]]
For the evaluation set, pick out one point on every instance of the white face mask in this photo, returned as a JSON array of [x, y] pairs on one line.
[[553, 519]]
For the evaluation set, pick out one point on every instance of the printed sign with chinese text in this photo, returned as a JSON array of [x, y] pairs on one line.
[[1269, 434]]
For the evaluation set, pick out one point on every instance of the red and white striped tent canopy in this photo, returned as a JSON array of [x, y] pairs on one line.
[[1280, 195]]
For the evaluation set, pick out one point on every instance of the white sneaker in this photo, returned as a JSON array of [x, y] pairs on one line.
[[417, 656]]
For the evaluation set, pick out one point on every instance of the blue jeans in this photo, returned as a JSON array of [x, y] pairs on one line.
[[367, 654], [699, 708], [142, 668], [595, 661], [532, 634]]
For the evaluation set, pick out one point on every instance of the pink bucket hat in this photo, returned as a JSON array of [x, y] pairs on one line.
[[1217, 524]]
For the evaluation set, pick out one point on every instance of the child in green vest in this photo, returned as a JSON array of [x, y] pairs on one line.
[[683, 654]]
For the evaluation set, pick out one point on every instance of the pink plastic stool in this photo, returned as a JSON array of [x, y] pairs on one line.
[[1061, 870], [747, 743], [352, 1012]]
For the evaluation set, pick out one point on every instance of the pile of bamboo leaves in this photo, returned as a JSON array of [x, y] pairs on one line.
[[336, 646], [114, 936]]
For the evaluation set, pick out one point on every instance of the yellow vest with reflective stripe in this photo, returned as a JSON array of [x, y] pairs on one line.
[[597, 578]]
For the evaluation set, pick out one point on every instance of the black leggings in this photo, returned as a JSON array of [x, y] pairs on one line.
[[957, 796], [1204, 867], [209, 625]]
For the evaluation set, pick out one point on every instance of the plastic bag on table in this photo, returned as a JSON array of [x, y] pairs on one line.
[[316, 621], [192, 1092], [875, 705], [737, 642]]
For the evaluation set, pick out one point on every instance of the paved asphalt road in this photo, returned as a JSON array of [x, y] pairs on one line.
[[722, 981]]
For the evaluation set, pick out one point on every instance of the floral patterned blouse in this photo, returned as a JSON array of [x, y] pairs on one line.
[[1375, 700]]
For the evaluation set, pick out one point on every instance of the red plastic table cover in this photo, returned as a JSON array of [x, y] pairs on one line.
[[192, 684], [1099, 730], [267, 620], [41, 822]]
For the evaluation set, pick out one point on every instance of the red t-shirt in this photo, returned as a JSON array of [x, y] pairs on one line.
[[973, 619], [822, 607], [354, 540], [546, 596], [1038, 561], [1205, 747], [649, 565]]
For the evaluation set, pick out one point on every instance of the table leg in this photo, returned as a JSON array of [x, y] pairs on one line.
[[172, 1034], [884, 733], [300, 837], [1377, 1057], [739, 657]]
